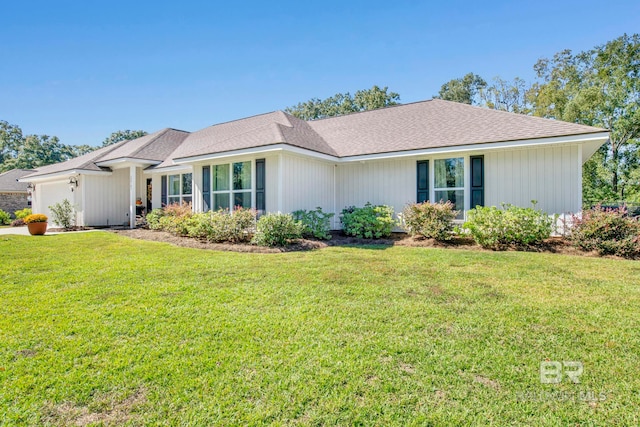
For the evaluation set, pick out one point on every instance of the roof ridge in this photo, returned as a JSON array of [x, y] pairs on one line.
[[145, 145], [370, 111]]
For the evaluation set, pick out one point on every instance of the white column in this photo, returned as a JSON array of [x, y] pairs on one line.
[[132, 197]]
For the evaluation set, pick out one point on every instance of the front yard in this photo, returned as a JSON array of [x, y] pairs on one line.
[[97, 328]]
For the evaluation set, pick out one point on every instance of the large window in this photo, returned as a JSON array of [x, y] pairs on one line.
[[180, 188], [232, 185], [449, 182]]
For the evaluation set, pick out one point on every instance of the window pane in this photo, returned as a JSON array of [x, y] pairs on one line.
[[449, 173], [174, 200], [221, 201], [221, 178], [174, 185], [186, 183], [242, 176], [186, 199], [242, 199], [454, 196]]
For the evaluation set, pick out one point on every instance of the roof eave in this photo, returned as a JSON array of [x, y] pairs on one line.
[[47, 176]]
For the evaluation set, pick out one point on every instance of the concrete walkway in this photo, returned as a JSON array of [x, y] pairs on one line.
[[23, 231]]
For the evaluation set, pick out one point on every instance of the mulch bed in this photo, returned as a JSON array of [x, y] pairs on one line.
[[555, 245]]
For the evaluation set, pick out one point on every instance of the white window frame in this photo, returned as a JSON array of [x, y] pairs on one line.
[[231, 192], [182, 195], [464, 189]]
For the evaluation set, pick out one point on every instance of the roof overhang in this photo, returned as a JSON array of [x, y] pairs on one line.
[[49, 176], [592, 141], [166, 169], [595, 139], [256, 150], [127, 161]]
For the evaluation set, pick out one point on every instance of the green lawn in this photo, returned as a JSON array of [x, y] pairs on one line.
[[97, 328]]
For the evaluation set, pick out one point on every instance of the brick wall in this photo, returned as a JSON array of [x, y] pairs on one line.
[[11, 202]]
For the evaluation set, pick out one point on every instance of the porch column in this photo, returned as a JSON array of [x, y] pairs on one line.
[[132, 196]]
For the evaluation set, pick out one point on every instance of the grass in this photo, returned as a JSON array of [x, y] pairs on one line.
[[98, 329]]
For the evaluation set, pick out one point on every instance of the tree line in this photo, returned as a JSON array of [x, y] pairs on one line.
[[20, 151]]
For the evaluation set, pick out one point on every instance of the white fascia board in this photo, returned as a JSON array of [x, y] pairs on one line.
[[574, 139], [256, 150], [49, 176], [127, 161], [168, 169]]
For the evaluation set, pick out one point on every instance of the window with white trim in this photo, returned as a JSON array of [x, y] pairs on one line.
[[231, 185], [180, 188], [449, 182]]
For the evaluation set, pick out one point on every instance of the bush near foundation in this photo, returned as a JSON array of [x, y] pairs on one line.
[[316, 223], [277, 229], [368, 222], [430, 220], [496, 228], [223, 226], [607, 231]]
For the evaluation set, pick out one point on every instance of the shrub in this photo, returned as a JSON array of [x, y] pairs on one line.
[[315, 223], [63, 214], [608, 231], [173, 218], [277, 230], [153, 218], [222, 225], [496, 228], [5, 218], [22, 213], [431, 220], [368, 222], [17, 222], [35, 218]]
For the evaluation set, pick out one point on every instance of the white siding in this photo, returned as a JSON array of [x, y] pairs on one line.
[[306, 184], [550, 175], [388, 182], [107, 198], [49, 193]]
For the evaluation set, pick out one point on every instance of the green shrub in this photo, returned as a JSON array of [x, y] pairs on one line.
[[22, 213], [608, 231], [223, 226], [5, 218], [496, 228], [173, 218], [277, 230], [315, 222], [153, 218], [368, 222], [63, 214], [431, 220]]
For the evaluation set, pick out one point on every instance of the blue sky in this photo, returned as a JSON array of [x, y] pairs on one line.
[[83, 69]]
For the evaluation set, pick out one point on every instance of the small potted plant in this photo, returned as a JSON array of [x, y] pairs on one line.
[[37, 224]]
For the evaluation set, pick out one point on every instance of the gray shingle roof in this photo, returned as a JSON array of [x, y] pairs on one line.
[[9, 183], [432, 124], [153, 147]]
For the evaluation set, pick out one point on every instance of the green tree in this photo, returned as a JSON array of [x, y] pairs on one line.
[[465, 89], [344, 103], [123, 135], [506, 96], [11, 140], [598, 87]]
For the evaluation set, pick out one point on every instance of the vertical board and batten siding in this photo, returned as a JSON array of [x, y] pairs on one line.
[[383, 182], [550, 175], [107, 198], [49, 193], [307, 183]]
